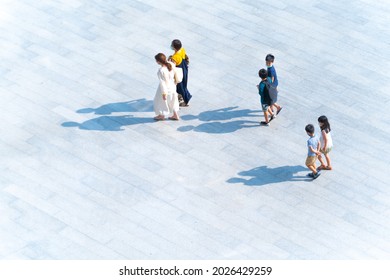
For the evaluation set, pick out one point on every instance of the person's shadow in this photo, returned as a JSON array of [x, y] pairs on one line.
[[212, 120], [219, 127], [114, 123], [108, 123], [264, 175], [139, 105], [223, 114]]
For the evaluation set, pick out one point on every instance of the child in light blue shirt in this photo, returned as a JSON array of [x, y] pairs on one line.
[[313, 145]]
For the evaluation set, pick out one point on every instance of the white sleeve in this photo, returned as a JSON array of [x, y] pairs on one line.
[[163, 77]]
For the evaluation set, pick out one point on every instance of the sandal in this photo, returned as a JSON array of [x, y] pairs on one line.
[[321, 167], [328, 168], [158, 118], [173, 119]]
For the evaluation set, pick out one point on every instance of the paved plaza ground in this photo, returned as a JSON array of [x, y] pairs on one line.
[[87, 174]]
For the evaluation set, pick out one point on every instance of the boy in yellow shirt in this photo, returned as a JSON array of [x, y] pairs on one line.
[[181, 60]]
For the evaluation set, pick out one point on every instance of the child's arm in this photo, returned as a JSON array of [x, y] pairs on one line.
[[316, 151], [312, 150], [273, 75], [325, 137], [163, 84]]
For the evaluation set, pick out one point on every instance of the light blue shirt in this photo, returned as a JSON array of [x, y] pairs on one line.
[[312, 142]]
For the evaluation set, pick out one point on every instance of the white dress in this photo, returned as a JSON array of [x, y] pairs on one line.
[[166, 85], [329, 145]]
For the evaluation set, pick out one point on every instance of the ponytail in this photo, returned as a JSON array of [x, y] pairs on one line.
[[168, 65], [160, 57]]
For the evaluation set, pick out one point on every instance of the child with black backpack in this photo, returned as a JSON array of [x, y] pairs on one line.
[[264, 92]]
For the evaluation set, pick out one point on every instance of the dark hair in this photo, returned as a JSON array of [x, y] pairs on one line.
[[263, 73], [269, 58], [309, 128], [160, 57], [325, 123], [176, 44]]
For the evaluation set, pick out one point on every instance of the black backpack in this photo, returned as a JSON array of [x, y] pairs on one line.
[[272, 91]]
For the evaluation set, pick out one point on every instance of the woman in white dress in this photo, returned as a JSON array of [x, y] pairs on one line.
[[165, 100]]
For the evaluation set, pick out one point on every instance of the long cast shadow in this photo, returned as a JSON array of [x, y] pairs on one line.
[[264, 175], [219, 127], [212, 120], [114, 123], [222, 114], [108, 123], [139, 105]]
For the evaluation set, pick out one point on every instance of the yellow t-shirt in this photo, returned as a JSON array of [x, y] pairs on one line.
[[179, 56]]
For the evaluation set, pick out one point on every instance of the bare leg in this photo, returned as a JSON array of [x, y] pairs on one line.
[[277, 106], [175, 115], [329, 166], [321, 161], [271, 110], [312, 168], [266, 116]]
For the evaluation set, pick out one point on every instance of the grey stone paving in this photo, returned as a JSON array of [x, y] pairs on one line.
[[87, 174]]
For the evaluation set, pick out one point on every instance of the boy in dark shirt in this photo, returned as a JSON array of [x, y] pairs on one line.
[[269, 60]]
